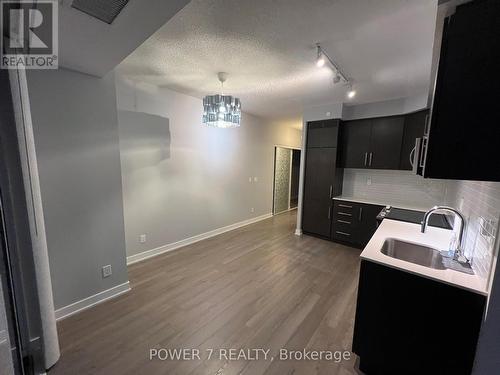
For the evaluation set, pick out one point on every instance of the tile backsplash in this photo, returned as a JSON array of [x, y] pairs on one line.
[[480, 203], [394, 187]]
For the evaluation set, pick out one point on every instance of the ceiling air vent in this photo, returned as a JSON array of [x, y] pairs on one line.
[[104, 10]]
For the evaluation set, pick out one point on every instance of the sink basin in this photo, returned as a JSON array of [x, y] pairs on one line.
[[410, 252]]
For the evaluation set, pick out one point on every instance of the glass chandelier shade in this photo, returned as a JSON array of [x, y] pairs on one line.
[[221, 111]]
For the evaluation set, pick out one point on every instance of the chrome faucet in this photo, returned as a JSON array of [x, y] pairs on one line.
[[459, 250]]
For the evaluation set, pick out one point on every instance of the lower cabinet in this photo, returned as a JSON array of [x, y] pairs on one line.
[[354, 223], [408, 324]]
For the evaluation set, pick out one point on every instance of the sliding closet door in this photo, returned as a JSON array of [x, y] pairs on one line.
[[282, 176]]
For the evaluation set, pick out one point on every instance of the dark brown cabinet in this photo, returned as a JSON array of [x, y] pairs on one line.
[[372, 143], [464, 133], [354, 223], [322, 133], [356, 143], [408, 324], [322, 179], [385, 142]]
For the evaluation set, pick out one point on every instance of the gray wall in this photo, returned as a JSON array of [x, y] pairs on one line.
[[77, 144], [182, 179]]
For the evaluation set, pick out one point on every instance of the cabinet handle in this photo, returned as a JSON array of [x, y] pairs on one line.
[[423, 156], [329, 212], [344, 205], [426, 125], [360, 213], [343, 233], [343, 221], [366, 158], [370, 161], [331, 191], [344, 213]]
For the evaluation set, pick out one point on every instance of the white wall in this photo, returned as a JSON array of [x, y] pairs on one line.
[[182, 179], [384, 108], [76, 137]]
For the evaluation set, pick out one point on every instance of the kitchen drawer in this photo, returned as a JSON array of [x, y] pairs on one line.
[[354, 223], [345, 226], [343, 236]]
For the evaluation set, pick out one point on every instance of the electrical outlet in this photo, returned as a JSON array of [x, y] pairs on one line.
[[142, 238], [369, 181], [255, 179], [249, 179], [107, 271], [252, 209]]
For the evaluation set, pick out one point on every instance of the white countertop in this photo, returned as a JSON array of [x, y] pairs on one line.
[[407, 205], [434, 237]]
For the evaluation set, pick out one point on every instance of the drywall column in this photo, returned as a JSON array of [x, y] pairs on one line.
[[35, 215], [75, 129]]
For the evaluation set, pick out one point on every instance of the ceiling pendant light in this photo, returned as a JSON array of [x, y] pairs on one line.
[[221, 111]]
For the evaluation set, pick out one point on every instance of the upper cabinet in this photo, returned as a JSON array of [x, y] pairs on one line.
[[322, 133], [372, 143], [356, 143], [464, 135], [385, 143]]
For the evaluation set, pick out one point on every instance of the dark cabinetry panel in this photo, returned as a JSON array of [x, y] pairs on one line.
[[356, 143], [397, 330], [385, 143], [318, 190], [354, 223], [322, 133], [323, 178], [372, 143], [464, 133]]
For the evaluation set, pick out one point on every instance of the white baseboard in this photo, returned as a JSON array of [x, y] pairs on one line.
[[188, 241], [298, 232], [88, 302]]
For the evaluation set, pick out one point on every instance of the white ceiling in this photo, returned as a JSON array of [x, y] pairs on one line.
[[268, 49], [91, 46]]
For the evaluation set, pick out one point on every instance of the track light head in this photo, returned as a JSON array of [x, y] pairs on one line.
[[351, 93]]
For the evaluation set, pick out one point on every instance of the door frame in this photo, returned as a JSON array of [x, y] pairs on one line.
[[291, 148]]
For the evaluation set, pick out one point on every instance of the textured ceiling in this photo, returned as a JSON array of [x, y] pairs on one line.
[[91, 46], [268, 49]]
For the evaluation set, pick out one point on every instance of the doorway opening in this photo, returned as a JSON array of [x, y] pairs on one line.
[[286, 178]]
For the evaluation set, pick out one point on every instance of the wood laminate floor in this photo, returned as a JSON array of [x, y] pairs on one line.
[[257, 287]]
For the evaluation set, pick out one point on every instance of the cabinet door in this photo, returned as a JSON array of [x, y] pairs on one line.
[[367, 216], [355, 143], [464, 133], [318, 188], [385, 143], [322, 133], [413, 129]]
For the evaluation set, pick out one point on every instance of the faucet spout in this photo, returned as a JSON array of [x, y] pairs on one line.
[[458, 251]]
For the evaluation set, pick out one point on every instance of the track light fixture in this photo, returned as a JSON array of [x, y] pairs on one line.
[[322, 58]]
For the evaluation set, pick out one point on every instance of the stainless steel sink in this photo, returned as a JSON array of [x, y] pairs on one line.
[[409, 252]]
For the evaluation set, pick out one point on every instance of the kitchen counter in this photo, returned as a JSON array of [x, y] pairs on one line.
[[407, 205], [434, 237]]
